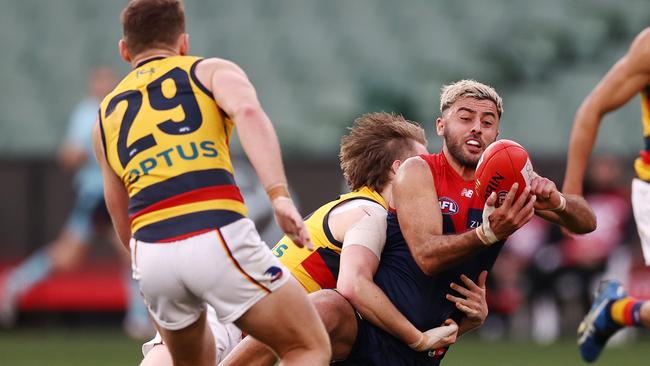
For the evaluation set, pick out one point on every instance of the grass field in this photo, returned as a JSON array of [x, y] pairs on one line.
[[99, 347]]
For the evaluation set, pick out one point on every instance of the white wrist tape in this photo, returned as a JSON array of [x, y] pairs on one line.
[[433, 338], [562, 206], [484, 231]]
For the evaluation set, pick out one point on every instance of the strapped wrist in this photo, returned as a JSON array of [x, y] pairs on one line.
[[419, 345], [486, 235], [277, 190], [561, 207]]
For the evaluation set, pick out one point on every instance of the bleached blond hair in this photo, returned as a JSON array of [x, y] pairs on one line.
[[468, 88]]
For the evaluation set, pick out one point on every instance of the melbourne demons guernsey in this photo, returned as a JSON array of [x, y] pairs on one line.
[[319, 269], [167, 140], [642, 163], [421, 298]]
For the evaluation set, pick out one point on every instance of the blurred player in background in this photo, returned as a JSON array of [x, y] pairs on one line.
[[612, 309], [88, 216], [162, 143]]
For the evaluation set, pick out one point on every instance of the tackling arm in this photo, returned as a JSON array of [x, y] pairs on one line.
[[362, 246]]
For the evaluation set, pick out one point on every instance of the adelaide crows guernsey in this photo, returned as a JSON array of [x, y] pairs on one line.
[[319, 269], [418, 296], [167, 140], [642, 163]]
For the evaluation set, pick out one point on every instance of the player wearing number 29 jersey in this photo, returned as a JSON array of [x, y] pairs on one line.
[[168, 142], [162, 144]]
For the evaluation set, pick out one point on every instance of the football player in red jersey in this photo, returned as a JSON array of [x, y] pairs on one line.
[[428, 249]]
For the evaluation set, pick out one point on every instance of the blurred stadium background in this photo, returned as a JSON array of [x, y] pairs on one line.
[[317, 65]]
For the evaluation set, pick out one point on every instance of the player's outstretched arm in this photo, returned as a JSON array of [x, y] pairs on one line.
[[235, 94], [420, 219], [624, 80], [570, 211], [115, 195]]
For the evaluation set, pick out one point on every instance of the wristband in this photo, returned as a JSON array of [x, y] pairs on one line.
[[277, 190], [561, 207], [484, 231], [419, 345], [486, 235]]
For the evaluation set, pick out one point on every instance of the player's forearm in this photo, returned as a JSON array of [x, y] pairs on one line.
[[373, 305], [581, 143], [260, 143], [439, 252], [577, 217]]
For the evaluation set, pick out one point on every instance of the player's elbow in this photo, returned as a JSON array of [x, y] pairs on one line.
[[428, 264], [351, 289], [586, 225], [248, 112]]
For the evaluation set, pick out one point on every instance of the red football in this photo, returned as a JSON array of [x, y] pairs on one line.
[[502, 164]]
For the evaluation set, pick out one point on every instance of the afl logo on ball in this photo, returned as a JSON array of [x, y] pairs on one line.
[[448, 206]]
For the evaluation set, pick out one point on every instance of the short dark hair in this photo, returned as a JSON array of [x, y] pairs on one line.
[[152, 23], [375, 141]]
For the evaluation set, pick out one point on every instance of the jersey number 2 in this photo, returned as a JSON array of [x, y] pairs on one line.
[[184, 98]]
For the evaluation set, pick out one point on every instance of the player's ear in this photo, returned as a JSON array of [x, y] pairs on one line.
[[440, 126], [124, 52], [396, 164], [184, 44]]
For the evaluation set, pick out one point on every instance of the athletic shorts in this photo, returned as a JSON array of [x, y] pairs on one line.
[[230, 268], [89, 209], [226, 336], [641, 208], [375, 347]]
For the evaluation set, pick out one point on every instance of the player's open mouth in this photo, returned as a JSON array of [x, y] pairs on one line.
[[474, 145]]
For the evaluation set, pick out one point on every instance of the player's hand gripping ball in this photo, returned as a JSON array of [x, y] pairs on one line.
[[502, 164]]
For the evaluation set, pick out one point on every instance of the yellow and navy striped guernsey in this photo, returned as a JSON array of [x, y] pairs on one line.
[[319, 269], [642, 163], [167, 140]]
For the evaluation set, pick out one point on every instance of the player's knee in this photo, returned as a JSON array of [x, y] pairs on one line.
[[331, 307]]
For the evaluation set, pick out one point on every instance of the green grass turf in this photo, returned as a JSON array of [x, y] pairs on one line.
[[473, 351], [98, 347], [60, 346]]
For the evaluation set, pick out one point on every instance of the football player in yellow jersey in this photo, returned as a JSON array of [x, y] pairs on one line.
[[612, 308], [162, 143]]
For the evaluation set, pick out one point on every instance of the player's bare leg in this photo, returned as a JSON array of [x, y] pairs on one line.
[[192, 345], [158, 356], [337, 316], [339, 319], [300, 340]]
